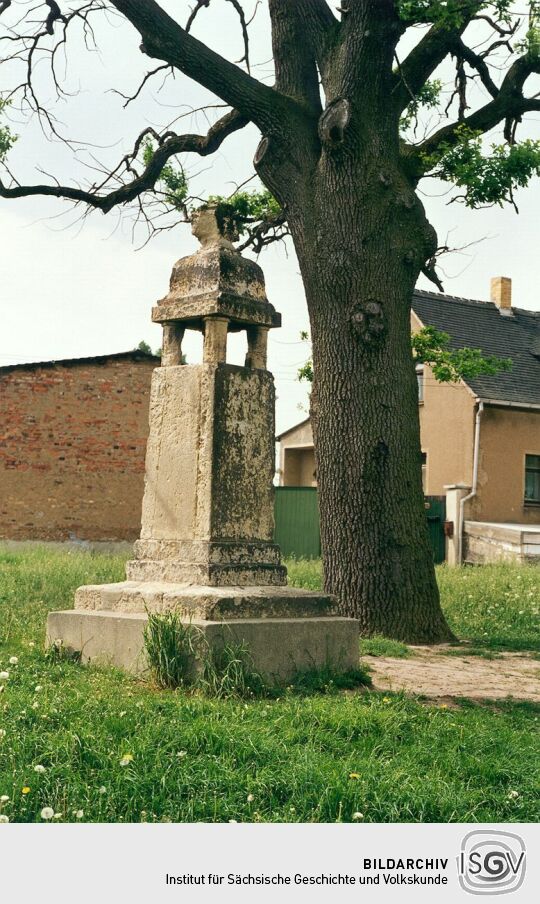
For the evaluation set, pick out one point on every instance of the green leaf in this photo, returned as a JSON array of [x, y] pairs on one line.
[[7, 138], [487, 178], [431, 346]]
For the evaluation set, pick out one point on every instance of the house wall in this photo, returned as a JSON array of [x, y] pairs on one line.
[[72, 449], [296, 457], [506, 435], [446, 434]]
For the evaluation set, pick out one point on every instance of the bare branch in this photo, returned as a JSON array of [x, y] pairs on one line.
[[168, 146], [509, 104], [164, 39], [428, 54]]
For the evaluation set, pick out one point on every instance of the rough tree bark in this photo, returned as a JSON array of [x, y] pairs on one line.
[[361, 236]]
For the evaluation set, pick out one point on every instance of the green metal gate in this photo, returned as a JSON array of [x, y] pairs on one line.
[[297, 531], [296, 515], [436, 514]]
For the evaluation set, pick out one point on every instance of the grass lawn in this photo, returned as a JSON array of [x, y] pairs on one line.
[[318, 757]]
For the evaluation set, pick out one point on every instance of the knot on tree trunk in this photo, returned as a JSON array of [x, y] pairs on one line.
[[368, 321], [334, 121]]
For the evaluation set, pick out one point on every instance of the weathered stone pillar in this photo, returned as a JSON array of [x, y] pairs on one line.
[[206, 548], [454, 494]]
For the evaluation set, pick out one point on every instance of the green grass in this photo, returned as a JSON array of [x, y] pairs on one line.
[[496, 607], [304, 757], [384, 646]]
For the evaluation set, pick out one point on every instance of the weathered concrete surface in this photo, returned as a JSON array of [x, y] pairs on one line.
[[279, 648], [485, 542], [212, 603], [209, 469]]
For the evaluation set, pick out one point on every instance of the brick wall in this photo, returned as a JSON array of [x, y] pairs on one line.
[[72, 448]]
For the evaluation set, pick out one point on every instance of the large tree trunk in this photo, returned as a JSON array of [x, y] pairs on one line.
[[362, 237], [360, 254]]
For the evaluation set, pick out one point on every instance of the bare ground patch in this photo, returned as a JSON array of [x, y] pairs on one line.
[[429, 674]]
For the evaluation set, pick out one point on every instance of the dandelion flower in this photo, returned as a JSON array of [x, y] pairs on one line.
[[47, 813], [13, 660], [358, 815], [250, 798], [3, 818], [126, 759], [79, 814], [4, 676], [39, 768], [25, 790], [354, 775], [386, 700]]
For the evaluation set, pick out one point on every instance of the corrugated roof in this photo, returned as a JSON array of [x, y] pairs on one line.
[[480, 324], [135, 355]]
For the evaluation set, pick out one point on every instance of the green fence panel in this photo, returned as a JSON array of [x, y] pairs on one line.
[[436, 514], [296, 515], [297, 531]]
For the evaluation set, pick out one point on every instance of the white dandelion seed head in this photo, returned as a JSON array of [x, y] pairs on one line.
[[250, 798], [79, 814], [4, 676], [2, 732], [38, 688], [102, 790], [358, 815], [4, 799], [47, 813], [39, 768], [4, 818], [13, 660]]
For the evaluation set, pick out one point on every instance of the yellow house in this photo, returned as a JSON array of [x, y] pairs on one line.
[[480, 438]]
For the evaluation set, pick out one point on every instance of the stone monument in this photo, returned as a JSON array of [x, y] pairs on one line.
[[206, 548]]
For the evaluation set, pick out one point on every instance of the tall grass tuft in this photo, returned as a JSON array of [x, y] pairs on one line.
[[172, 648]]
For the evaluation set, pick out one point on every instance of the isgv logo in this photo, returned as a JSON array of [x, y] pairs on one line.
[[491, 862]]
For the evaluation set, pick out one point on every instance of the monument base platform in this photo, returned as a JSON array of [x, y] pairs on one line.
[[285, 630]]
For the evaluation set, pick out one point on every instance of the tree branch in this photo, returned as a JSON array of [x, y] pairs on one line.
[[170, 146], [509, 103], [165, 39], [294, 55], [428, 54]]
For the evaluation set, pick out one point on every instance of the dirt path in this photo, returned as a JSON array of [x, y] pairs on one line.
[[430, 673]]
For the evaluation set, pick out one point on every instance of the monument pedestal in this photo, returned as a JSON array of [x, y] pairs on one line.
[[285, 633], [206, 549]]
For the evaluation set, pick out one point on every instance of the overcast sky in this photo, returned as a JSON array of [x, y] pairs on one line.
[[71, 288]]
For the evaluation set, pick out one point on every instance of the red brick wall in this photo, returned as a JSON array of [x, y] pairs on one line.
[[72, 448]]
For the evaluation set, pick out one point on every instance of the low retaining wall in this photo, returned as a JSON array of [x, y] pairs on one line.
[[485, 542]]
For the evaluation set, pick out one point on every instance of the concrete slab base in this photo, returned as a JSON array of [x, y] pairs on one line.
[[279, 647]]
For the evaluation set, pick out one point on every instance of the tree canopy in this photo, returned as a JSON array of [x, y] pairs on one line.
[[494, 47]]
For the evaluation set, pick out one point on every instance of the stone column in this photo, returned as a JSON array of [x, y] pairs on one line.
[[206, 548], [454, 494]]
